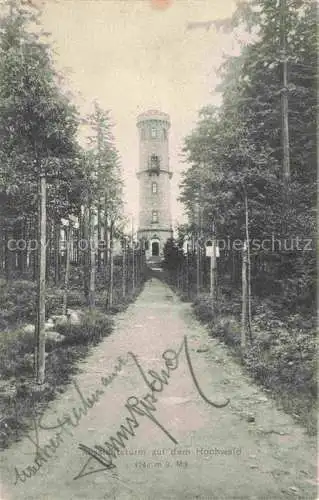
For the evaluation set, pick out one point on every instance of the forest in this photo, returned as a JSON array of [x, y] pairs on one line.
[[247, 256], [66, 263]]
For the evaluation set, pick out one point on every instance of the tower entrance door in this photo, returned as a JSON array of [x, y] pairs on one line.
[[155, 249]]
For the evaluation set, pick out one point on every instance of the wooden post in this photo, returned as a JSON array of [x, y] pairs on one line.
[[124, 268], [244, 300], [67, 269], [198, 266], [213, 272], [40, 324]]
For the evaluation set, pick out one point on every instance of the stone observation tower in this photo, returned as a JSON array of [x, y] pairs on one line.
[[155, 225]]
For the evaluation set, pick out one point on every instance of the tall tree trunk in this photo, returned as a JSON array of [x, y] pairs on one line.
[[24, 252], [80, 237], [133, 268], [92, 259], [40, 324], [57, 239], [21, 236], [133, 260], [6, 254], [9, 255], [213, 274], [138, 265], [106, 238], [124, 269], [2, 246], [27, 238], [111, 264], [248, 266], [7, 251], [187, 272], [85, 253], [15, 253], [34, 254], [284, 94], [67, 268], [48, 248], [99, 224], [244, 301], [198, 265]]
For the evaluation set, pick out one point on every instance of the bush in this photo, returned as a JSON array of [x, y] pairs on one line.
[[61, 363], [92, 328], [14, 350], [284, 359], [18, 302], [227, 329], [203, 308], [285, 363], [282, 356]]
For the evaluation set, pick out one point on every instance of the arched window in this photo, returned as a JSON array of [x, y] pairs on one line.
[[154, 187]]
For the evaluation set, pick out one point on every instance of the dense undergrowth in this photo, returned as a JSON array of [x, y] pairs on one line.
[[20, 399], [282, 354]]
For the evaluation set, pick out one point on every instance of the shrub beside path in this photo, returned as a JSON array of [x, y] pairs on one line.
[[178, 445]]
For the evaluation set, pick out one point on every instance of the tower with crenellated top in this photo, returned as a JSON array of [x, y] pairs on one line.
[[154, 174]]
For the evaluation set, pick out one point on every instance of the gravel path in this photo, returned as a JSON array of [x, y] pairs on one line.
[[178, 444]]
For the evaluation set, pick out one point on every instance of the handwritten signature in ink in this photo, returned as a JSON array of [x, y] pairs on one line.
[[63, 427], [105, 454]]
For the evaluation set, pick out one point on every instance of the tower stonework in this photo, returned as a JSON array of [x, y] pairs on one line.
[[155, 222]]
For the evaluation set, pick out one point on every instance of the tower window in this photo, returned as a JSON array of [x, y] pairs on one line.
[[164, 134], [154, 187], [154, 216], [153, 132], [154, 162]]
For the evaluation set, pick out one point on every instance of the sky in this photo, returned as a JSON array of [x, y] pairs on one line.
[[132, 56]]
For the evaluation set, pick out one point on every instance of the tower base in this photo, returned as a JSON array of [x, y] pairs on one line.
[[153, 241]]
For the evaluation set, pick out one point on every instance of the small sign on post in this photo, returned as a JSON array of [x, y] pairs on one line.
[[210, 249], [212, 252]]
